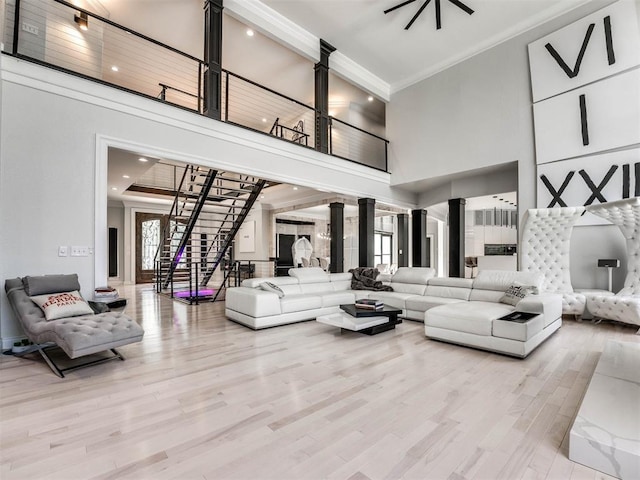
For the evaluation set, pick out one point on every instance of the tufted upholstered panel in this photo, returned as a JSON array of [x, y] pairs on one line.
[[626, 215], [544, 249], [625, 305]]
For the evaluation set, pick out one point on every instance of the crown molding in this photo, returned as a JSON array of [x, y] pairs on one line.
[[284, 31], [275, 26], [343, 66]]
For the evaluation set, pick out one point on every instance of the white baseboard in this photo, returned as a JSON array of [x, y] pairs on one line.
[[7, 342]]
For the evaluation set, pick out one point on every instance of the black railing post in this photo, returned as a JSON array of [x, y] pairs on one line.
[[226, 97], [200, 93], [213, 58], [16, 28], [322, 97]]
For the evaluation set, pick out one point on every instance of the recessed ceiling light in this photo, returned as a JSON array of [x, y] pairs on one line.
[[261, 196], [370, 98], [264, 120], [250, 32], [295, 188], [115, 68], [495, 196], [332, 113], [125, 176], [114, 188], [142, 159], [501, 199], [266, 184]]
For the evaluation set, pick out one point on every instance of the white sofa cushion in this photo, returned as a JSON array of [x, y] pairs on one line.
[[340, 281], [393, 299], [469, 317], [448, 292], [298, 303], [253, 302], [291, 289], [316, 287], [502, 279], [309, 275], [548, 303], [255, 282], [407, 288], [413, 275], [490, 285], [422, 303], [333, 299], [451, 282]]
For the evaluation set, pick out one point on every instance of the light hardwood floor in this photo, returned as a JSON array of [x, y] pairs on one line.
[[204, 398]]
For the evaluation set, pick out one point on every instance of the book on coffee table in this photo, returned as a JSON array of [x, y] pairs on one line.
[[369, 304]]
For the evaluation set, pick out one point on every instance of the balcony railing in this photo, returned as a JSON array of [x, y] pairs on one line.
[[53, 33]]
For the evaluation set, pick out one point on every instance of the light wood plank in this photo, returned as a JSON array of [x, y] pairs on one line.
[[204, 398]]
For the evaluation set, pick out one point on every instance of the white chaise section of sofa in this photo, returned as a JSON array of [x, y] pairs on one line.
[[474, 323]]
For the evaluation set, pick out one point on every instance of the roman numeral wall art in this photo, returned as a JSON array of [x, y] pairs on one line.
[[585, 81]]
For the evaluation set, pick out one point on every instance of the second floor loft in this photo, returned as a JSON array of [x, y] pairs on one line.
[[60, 35]]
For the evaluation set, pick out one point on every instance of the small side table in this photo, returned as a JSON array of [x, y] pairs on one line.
[[610, 263], [112, 304]]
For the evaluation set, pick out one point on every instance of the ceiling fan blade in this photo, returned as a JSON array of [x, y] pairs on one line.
[[424, 5], [400, 5], [462, 6]]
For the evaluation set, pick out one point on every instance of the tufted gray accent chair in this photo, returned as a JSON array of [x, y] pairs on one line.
[[77, 336], [545, 249], [625, 305]]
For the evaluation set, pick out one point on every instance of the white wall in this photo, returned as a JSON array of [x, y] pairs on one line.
[[478, 114], [56, 186]]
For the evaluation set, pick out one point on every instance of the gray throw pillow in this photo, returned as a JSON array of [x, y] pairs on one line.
[[516, 292], [39, 285], [272, 287]]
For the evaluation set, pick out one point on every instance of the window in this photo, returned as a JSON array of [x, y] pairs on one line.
[[382, 248]]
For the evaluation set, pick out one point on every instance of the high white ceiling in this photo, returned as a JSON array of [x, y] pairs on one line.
[[379, 42]]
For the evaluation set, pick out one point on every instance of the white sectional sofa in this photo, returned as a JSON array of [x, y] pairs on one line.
[[455, 310]]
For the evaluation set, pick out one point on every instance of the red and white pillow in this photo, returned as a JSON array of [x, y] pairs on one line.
[[61, 305]]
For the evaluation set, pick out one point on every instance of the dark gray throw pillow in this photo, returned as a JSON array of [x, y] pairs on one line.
[[39, 285]]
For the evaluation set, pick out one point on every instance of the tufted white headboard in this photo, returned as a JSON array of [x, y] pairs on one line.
[[626, 215], [545, 246]]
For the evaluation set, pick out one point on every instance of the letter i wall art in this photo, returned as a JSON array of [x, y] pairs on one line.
[[585, 81]]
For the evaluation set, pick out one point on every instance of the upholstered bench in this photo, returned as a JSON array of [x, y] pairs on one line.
[[78, 335]]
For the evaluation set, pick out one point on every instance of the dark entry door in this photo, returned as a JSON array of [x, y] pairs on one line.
[[149, 228]]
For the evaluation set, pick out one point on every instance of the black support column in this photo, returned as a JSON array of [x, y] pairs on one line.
[[213, 58], [418, 238], [336, 255], [403, 240], [322, 97], [456, 237], [366, 220]]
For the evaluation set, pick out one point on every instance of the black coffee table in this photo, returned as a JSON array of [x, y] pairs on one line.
[[387, 319]]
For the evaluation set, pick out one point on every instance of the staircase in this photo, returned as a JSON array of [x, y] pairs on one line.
[[208, 209]]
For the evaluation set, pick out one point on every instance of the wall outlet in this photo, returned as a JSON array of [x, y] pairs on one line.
[[79, 251], [63, 251], [27, 27]]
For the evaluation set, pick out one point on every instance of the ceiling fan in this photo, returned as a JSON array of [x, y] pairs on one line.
[[457, 3]]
